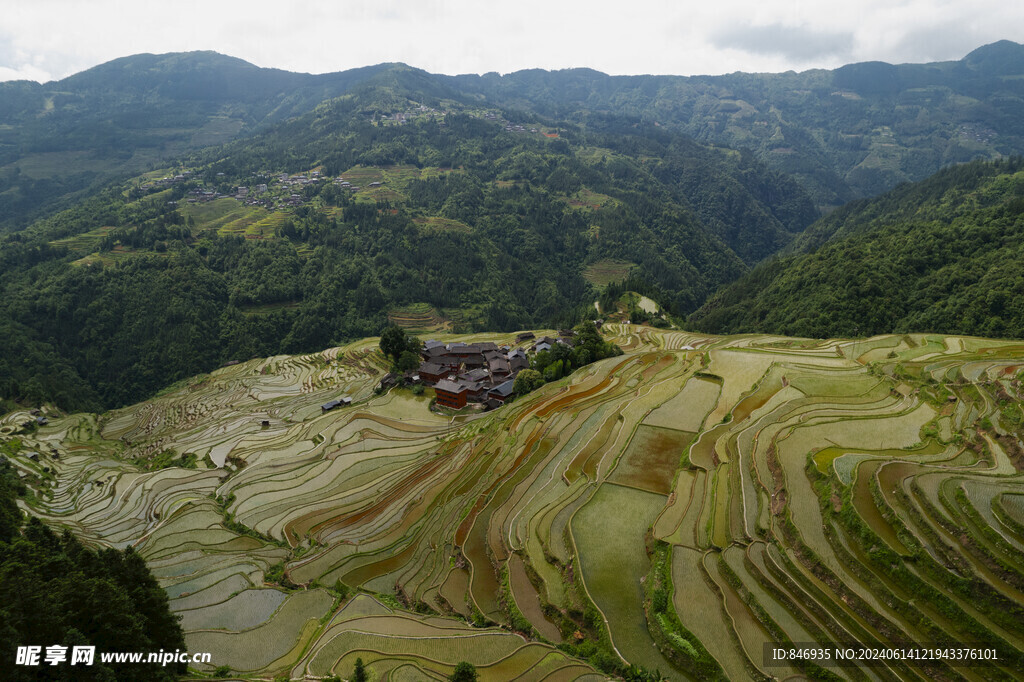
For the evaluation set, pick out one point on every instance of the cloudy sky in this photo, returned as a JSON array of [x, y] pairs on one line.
[[48, 39]]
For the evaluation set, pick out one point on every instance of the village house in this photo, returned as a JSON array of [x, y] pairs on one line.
[[460, 349], [517, 361], [451, 394], [502, 391], [479, 374], [475, 367], [498, 367], [474, 360], [475, 390], [344, 401], [431, 372], [434, 353]]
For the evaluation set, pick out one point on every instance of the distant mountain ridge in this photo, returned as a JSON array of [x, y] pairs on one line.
[[844, 134], [477, 209], [847, 133], [64, 139]]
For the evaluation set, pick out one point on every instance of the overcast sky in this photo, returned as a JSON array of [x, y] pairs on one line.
[[49, 39]]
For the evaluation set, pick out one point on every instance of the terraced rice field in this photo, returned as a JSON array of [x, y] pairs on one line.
[[606, 271], [799, 491], [589, 200], [419, 318], [442, 224]]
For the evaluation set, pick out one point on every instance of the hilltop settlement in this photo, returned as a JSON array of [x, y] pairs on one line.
[[484, 372]]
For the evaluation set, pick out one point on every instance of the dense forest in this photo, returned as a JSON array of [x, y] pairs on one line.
[[56, 592], [490, 202], [943, 255], [843, 134], [847, 133], [493, 226]]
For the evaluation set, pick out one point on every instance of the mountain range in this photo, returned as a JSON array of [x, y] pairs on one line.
[[164, 214], [845, 133]]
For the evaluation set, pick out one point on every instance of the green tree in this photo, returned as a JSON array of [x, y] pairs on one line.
[[393, 342], [526, 381], [359, 673], [10, 516], [553, 372], [464, 671], [407, 361]]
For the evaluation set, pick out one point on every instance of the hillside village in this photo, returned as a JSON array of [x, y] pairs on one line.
[[480, 372], [282, 190], [272, 191]]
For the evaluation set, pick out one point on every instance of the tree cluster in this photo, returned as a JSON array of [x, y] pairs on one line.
[[402, 349], [562, 360], [941, 256], [55, 591]]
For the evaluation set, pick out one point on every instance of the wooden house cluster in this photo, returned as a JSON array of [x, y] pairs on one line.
[[199, 196], [470, 372], [565, 338], [166, 181]]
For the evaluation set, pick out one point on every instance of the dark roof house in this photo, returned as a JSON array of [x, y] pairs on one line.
[[344, 401], [499, 367], [478, 374], [501, 391], [432, 372], [517, 361], [451, 394]]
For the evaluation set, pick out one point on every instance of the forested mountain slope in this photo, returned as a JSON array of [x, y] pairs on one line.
[[475, 219], [847, 133], [943, 255], [60, 139], [469, 215]]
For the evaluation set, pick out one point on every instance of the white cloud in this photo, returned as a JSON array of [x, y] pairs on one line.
[[798, 44], [55, 38]]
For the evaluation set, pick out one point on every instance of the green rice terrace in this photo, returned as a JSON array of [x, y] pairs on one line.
[[675, 508]]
